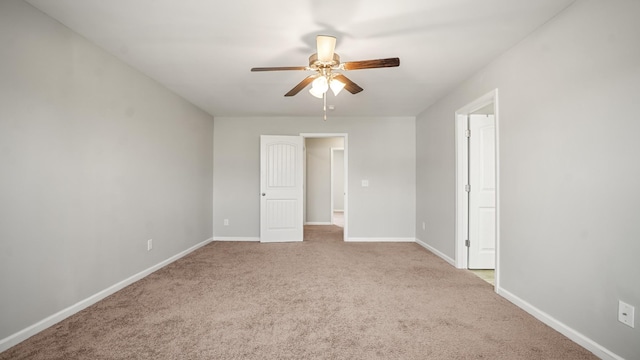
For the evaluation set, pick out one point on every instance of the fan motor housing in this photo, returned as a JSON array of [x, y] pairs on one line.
[[315, 64]]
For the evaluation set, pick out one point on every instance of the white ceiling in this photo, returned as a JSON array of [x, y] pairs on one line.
[[203, 49]]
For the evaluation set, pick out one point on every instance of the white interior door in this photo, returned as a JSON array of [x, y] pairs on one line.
[[482, 192], [281, 190]]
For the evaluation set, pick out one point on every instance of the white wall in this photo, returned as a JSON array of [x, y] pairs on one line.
[[381, 150], [95, 159], [318, 179], [568, 112]]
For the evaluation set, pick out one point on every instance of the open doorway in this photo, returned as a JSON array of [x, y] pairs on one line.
[[477, 168], [325, 195]]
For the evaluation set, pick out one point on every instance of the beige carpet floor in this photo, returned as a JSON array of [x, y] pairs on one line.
[[320, 299]]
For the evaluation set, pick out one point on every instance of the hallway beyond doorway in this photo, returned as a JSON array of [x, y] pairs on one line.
[[338, 219]]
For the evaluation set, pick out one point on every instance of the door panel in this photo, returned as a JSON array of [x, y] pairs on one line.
[[281, 213], [486, 230], [281, 200], [482, 196]]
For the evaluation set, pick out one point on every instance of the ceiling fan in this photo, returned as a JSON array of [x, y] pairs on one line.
[[325, 63]]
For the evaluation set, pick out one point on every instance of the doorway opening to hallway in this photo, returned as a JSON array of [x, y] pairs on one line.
[[325, 179], [477, 188]]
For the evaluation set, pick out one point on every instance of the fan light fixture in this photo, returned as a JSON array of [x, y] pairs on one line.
[[323, 63], [336, 86], [321, 85]]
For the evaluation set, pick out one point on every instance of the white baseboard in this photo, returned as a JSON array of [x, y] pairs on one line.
[[379, 239], [236, 238], [577, 337], [41, 325], [436, 252], [318, 223]]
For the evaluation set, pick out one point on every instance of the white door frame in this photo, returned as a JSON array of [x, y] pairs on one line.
[[345, 136], [461, 180]]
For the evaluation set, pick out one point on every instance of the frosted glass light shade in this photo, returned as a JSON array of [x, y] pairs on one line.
[[325, 46], [336, 86], [314, 92], [320, 84]]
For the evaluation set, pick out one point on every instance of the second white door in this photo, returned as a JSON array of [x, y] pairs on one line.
[[482, 194]]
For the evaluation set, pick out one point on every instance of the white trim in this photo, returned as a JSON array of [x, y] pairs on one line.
[[496, 115], [380, 239], [47, 322], [280, 241], [236, 238], [322, 135], [461, 194], [436, 252], [577, 337], [345, 225], [304, 183], [318, 223]]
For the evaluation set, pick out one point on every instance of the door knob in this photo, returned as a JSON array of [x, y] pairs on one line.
[[263, 194]]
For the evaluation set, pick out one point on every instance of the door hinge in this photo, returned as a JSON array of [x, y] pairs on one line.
[[467, 243], [467, 133], [467, 188]]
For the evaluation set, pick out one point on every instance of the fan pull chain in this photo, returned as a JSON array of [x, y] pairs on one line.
[[324, 107]]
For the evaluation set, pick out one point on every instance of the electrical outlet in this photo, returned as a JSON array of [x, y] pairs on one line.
[[626, 313], [149, 244], [226, 222]]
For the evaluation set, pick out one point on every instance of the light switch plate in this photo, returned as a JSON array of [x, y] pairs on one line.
[[626, 313], [365, 183]]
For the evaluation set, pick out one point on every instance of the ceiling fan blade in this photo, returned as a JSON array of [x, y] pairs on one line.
[[279, 68], [371, 64], [326, 45], [349, 85], [303, 84]]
